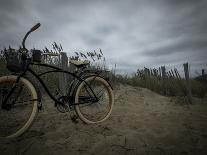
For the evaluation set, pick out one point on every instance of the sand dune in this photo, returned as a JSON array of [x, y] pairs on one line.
[[142, 122]]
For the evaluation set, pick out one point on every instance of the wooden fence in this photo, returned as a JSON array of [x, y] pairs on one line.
[[62, 61], [167, 82]]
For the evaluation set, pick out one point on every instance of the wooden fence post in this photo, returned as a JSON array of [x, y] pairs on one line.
[[203, 72], [147, 77], [163, 79], [160, 73], [188, 85], [62, 77]]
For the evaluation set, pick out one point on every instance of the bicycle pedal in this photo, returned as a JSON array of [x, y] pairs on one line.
[[40, 106]]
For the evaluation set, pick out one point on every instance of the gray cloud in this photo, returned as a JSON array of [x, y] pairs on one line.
[[132, 33]]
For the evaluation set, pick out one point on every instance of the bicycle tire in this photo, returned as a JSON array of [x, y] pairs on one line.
[[108, 105], [28, 86]]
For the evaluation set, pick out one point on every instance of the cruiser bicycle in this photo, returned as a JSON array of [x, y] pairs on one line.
[[90, 94]]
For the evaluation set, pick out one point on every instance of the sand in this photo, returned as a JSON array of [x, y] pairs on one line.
[[142, 122]]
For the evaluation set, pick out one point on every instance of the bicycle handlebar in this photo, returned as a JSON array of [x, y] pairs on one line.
[[35, 27], [31, 30]]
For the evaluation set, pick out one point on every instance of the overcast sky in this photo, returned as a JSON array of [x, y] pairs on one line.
[[131, 33]]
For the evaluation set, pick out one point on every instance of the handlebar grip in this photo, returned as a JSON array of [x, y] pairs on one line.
[[35, 27]]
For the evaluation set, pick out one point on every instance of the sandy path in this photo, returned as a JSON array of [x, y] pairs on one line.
[[142, 122]]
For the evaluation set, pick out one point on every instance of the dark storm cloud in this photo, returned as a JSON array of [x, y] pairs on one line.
[[6, 15], [179, 46], [132, 34]]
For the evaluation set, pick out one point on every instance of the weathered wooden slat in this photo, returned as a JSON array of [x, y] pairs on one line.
[[62, 76], [188, 84]]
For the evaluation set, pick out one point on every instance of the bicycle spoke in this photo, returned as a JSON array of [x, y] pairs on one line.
[[19, 107], [99, 108]]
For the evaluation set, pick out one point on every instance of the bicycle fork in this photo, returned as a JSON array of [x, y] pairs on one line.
[[4, 103]]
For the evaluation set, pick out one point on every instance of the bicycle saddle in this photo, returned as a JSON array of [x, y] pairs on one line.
[[79, 63]]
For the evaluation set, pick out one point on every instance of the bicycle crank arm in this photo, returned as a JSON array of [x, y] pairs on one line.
[[88, 103]]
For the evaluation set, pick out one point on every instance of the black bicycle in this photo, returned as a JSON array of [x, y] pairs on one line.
[[89, 93]]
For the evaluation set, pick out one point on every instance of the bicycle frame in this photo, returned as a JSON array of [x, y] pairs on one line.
[[38, 77]]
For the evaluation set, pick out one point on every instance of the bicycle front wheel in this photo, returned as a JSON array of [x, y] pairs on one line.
[[94, 98], [20, 109]]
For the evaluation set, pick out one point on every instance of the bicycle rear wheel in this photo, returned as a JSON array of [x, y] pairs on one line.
[[88, 108], [21, 106]]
